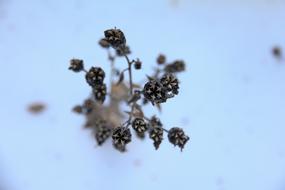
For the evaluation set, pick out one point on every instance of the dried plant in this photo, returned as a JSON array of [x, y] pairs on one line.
[[109, 119]]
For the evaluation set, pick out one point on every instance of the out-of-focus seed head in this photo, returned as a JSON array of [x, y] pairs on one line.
[[161, 59], [138, 64], [154, 92], [121, 136], [104, 43], [76, 65], [88, 106], [156, 134], [124, 50], [170, 82], [177, 137], [277, 52], [176, 66], [155, 122], [139, 125], [100, 92], [77, 109], [115, 37], [95, 76], [102, 133]]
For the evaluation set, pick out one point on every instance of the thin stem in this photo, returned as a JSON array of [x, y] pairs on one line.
[[112, 61], [130, 73]]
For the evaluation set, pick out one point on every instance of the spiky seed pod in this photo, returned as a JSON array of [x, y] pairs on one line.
[[156, 134], [170, 82], [161, 59], [115, 37], [176, 136], [104, 43], [95, 76], [102, 133], [121, 136], [154, 92], [176, 66], [125, 50], [76, 65], [100, 92], [139, 125]]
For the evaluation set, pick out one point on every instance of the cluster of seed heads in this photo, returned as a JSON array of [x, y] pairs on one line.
[[108, 120]]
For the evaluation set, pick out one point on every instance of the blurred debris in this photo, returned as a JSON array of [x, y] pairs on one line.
[[36, 107], [277, 52]]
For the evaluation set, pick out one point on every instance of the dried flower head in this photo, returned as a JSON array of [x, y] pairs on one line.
[[139, 125], [170, 82], [154, 92], [121, 136], [115, 38], [95, 76], [104, 117], [176, 136], [76, 65]]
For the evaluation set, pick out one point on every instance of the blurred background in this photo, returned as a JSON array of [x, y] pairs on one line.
[[231, 101]]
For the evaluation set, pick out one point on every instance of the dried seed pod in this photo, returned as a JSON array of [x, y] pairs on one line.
[[115, 37], [176, 136], [138, 64], [102, 133], [95, 76], [154, 92], [176, 66], [156, 134], [121, 136], [161, 59], [76, 65], [104, 43], [170, 82], [139, 125], [100, 92]]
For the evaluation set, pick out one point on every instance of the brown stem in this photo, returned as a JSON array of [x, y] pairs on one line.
[[130, 73]]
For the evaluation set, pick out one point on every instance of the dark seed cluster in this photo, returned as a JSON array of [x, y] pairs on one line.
[[102, 133], [121, 137], [95, 76], [76, 65], [103, 110], [139, 125], [177, 137], [115, 38], [159, 91], [154, 92]]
